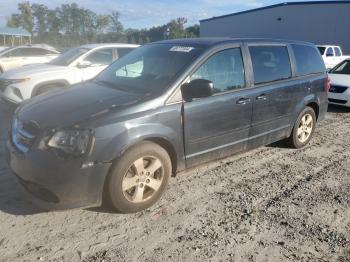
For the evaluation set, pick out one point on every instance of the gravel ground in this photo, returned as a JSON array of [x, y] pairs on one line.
[[269, 204]]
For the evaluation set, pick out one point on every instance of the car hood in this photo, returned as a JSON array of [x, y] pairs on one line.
[[33, 69], [75, 105], [339, 79]]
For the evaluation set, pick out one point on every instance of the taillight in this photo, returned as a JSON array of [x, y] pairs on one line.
[[328, 84]]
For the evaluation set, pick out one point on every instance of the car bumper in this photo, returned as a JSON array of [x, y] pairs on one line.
[[342, 99], [55, 183]]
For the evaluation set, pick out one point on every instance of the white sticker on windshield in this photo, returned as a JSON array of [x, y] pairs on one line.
[[185, 49]]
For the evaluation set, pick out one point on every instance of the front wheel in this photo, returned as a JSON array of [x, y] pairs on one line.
[[139, 178], [303, 128]]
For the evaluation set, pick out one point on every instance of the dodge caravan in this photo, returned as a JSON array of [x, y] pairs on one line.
[[161, 109]]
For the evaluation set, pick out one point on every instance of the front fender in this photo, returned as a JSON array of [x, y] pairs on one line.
[[114, 139]]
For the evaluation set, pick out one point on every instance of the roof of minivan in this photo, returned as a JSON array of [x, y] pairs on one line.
[[212, 41]]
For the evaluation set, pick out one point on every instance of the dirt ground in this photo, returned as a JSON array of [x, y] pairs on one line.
[[269, 204]]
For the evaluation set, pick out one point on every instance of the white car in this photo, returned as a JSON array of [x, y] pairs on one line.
[[3, 48], [332, 55], [339, 92], [74, 66], [14, 57]]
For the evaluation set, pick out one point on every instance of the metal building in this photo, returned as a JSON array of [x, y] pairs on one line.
[[319, 22]]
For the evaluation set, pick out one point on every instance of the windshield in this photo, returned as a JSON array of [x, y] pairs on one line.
[[149, 69], [69, 56], [321, 49], [343, 68], [2, 52]]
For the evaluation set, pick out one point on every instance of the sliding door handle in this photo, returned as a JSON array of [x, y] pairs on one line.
[[243, 101], [261, 97]]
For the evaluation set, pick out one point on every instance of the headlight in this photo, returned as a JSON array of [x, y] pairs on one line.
[[74, 142]]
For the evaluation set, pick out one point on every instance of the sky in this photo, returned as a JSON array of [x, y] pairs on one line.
[[144, 14]]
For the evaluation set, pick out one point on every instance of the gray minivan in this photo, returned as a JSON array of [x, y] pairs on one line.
[[162, 108]]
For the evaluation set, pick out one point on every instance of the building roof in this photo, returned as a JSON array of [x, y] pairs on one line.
[[14, 31], [278, 5]]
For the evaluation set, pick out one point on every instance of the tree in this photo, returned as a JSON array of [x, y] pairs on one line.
[[116, 25], [71, 25], [24, 19], [26, 16], [102, 23], [40, 14], [193, 31]]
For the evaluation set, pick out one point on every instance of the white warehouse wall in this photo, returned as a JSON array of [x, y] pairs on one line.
[[327, 23]]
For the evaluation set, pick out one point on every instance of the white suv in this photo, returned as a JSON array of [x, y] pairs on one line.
[[14, 57], [74, 66]]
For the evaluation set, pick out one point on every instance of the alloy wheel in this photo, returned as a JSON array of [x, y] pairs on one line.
[[305, 128], [143, 179]]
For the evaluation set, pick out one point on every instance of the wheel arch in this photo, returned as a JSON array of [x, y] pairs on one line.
[[168, 146], [315, 107], [309, 101], [160, 141], [61, 82]]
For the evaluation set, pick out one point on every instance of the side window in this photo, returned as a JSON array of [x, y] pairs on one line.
[[308, 60], [38, 52], [337, 51], [100, 57], [123, 51], [131, 70], [20, 52], [225, 69], [330, 51], [270, 63]]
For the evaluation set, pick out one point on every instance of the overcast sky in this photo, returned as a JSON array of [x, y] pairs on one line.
[[144, 14]]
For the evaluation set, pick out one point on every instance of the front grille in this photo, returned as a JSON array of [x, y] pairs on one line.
[[337, 101], [23, 135], [338, 89], [4, 83]]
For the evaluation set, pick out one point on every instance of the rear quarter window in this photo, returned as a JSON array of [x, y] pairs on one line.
[[270, 63], [308, 60]]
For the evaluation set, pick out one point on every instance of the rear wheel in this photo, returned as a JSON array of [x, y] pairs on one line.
[[303, 128], [139, 178]]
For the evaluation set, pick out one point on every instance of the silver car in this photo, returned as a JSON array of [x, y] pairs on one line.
[[15, 57]]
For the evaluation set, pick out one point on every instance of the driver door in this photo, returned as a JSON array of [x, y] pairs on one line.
[[218, 125], [95, 62]]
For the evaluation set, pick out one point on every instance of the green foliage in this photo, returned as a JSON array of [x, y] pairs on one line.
[[71, 25]]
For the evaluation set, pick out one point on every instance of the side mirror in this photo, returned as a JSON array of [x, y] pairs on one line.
[[198, 88], [84, 64]]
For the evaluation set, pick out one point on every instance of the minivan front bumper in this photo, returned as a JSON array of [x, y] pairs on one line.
[[57, 183]]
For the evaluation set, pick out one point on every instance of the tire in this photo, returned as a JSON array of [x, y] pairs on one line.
[[303, 129], [138, 179], [48, 89]]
